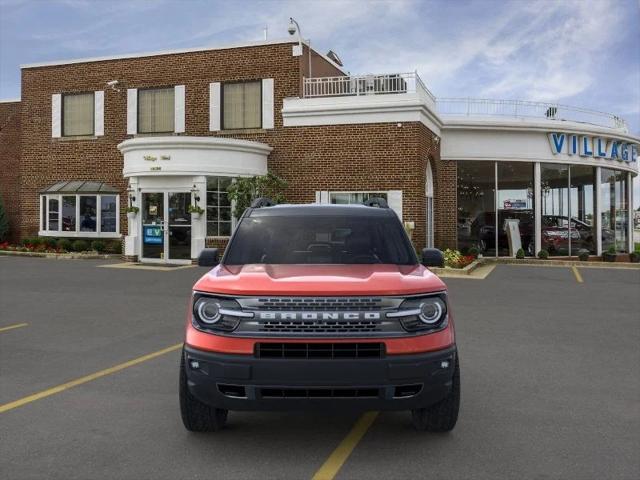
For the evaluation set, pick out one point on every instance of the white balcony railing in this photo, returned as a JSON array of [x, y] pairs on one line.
[[356, 85], [526, 109]]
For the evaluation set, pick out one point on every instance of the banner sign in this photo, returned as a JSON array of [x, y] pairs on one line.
[[152, 235]]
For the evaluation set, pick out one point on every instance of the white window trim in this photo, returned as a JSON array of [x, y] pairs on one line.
[[78, 233], [234, 220]]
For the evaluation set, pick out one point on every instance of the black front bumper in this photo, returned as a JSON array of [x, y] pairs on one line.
[[243, 382]]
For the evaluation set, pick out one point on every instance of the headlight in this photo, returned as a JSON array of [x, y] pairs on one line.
[[208, 310], [431, 310], [217, 313], [422, 313]]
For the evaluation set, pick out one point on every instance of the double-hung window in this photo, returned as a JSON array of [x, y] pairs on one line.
[[242, 105], [78, 114], [156, 110]]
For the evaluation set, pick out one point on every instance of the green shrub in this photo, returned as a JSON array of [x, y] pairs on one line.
[[98, 246], [48, 242], [114, 246], [452, 258], [64, 244], [543, 254], [473, 251], [30, 241], [80, 246], [583, 254], [520, 253], [611, 250]]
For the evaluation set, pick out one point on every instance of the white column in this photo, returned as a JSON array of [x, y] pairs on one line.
[[630, 212], [199, 227], [132, 239], [537, 198], [598, 219]]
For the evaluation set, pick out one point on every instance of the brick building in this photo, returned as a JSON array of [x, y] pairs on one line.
[[162, 131]]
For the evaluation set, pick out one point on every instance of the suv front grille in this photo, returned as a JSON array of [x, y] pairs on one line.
[[320, 303], [320, 350], [320, 326]]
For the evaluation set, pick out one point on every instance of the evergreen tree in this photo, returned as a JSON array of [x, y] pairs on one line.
[[4, 222]]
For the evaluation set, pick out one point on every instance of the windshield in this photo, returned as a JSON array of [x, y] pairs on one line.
[[320, 240]]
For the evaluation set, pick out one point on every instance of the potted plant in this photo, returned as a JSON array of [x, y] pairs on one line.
[[132, 212], [610, 255], [583, 254], [195, 211]]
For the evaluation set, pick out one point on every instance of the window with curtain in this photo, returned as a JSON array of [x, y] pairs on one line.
[[77, 114], [241, 105], [156, 110]]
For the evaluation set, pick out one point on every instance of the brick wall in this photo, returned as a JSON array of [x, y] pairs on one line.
[[340, 157], [10, 163]]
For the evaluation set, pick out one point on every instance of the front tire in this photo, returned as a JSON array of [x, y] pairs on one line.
[[198, 416], [442, 416]]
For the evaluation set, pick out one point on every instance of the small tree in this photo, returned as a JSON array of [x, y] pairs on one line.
[[4, 222], [246, 189]]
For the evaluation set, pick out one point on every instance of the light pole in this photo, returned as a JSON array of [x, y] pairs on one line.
[[293, 28]]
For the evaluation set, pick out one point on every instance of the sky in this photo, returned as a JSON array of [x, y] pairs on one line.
[[576, 52]]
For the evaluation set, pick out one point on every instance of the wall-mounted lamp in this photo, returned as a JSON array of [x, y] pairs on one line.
[[132, 197], [293, 28], [194, 192]]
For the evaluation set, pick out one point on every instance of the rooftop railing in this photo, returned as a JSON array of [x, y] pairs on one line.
[[356, 85], [399, 83], [525, 109]]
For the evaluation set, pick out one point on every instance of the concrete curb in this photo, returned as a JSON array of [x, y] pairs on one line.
[[562, 263], [64, 256]]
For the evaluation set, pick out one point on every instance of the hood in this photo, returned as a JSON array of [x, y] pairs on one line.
[[319, 280]]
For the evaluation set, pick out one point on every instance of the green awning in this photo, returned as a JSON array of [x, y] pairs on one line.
[[80, 186]]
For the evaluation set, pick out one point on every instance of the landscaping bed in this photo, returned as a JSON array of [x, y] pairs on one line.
[[63, 248]]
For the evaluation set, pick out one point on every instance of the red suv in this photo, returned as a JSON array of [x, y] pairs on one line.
[[320, 306]]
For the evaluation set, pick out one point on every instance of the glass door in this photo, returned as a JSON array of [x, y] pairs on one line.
[[153, 214], [179, 233]]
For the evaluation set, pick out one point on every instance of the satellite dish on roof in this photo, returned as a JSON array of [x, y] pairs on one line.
[[334, 57]]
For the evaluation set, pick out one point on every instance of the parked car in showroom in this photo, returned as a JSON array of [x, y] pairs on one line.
[[316, 307]]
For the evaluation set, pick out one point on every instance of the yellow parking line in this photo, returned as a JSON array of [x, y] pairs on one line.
[[11, 327], [576, 273], [85, 379], [332, 465]]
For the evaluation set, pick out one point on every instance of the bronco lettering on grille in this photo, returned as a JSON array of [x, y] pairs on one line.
[[319, 315]]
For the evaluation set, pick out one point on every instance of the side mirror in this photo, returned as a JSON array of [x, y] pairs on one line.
[[208, 257], [432, 257]]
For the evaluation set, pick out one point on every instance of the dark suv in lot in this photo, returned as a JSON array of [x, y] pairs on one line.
[[320, 306]]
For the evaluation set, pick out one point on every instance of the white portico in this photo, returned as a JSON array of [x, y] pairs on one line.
[[166, 175]]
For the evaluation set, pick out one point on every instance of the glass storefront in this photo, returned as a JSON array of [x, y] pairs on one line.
[[568, 204], [614, 210], [515, 205], [477, 206]]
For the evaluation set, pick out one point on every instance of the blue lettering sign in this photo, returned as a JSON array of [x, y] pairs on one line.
[[601, 150], [586, 149], [614, 150], [573, 147], [152, 235], [557, 141]]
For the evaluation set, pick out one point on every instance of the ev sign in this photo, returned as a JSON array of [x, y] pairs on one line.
[[588, 146]]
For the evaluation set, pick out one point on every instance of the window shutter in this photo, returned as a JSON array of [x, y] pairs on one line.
[[267, 103], [324, 196], [98, 112], [132, 111], [179, 99], [214, 106], [394, 199], [56, 115]]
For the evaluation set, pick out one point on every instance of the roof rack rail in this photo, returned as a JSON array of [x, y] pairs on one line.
[[262, 202], [376, 202]]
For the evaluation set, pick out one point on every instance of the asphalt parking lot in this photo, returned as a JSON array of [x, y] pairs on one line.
[[550, 384]]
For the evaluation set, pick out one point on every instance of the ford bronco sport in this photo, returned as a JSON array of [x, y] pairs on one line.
[[317, 306]]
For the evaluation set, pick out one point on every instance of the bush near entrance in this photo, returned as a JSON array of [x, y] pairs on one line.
[[246, 189], [543, 254]]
